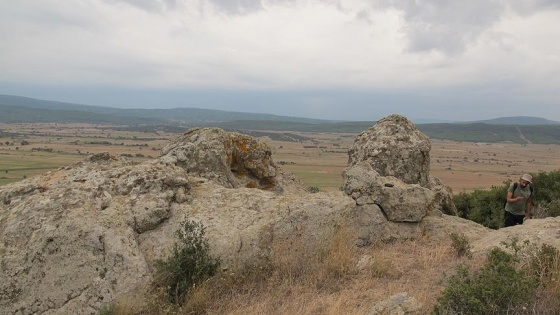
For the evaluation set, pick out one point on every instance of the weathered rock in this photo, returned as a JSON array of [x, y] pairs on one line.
[[443, 197], [389, 166], [398, 304], [394, 147], [69, 238], [372, 227], [231, 159], [398, 201], [92, 231]]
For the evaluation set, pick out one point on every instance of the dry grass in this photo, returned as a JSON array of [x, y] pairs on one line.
[[323, 279]]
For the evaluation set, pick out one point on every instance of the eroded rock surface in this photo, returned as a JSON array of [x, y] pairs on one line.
[[74, 239], [69, 237], [394, 147], [399, 202], [388, 166], [234, 160]]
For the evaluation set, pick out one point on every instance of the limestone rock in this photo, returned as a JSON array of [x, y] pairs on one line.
[[69, 238], [94, 230], [398, 201], [234, 160], [74, 239], [394, 147], [443, 197], [398, 304], [388, 166]]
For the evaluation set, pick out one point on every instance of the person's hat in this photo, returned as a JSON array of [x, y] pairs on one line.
[[527, 177]]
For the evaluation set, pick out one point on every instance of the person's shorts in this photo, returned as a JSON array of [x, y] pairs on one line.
[[513, 219]]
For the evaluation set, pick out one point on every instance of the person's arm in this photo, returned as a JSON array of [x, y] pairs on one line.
[[528, 207], [510, 198]]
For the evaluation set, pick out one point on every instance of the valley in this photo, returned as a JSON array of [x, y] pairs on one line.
[[318, 159]]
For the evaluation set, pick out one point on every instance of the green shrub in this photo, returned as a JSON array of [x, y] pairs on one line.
[[497, 288], [190, 262], [313, 189], [110, 309], [486, 207]]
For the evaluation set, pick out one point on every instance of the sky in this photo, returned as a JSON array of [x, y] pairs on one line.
[[448, 60]]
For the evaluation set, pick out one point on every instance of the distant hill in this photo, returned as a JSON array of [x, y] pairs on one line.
[[17, 109], [479, 132], [174, 116], [518, 120]]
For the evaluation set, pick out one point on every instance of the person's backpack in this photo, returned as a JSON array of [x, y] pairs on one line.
[[515, 187]]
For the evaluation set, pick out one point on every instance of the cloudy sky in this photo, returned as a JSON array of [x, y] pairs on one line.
[[334, 59]]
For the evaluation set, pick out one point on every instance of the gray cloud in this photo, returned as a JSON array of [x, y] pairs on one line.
[[147, 5], [237, 7], [266, 55], [444, 25], [528, 7], [450, 25], [150, 5]]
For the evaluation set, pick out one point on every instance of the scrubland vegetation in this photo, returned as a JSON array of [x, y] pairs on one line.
[[336, 277], [487, 206]]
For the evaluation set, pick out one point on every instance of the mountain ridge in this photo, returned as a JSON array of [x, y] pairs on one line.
[[163, 115], [18, 109], [190, 114]]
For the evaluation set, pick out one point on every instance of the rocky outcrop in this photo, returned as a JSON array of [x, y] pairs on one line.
[[394, 147], [76, 238], [233, 160], [69, 237], [388, 168], [399, 202]]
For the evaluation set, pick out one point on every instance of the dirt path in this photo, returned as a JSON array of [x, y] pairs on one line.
[[522, 136]]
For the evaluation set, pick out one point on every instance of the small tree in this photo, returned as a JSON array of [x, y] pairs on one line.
[[190, 262], [499, 287]]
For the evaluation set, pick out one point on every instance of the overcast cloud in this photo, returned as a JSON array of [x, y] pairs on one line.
[[353, 59]]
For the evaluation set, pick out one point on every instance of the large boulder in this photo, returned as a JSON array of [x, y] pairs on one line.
[[388, 166], [76, 238], [232, 159], [394, 147], [399, 202], [69, 237]]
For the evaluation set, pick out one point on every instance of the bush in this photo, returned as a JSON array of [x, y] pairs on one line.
[[110, 309], [313, 189], [486, 207], [497, 288], [190, 262]]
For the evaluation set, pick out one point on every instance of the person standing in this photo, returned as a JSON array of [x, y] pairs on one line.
[[519, 201]]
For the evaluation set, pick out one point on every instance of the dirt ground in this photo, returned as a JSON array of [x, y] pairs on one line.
[[31, 149], [463, 166]]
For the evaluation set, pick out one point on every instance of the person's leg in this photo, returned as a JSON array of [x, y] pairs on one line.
[[519, 219], [509, 219], [512, 219]]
